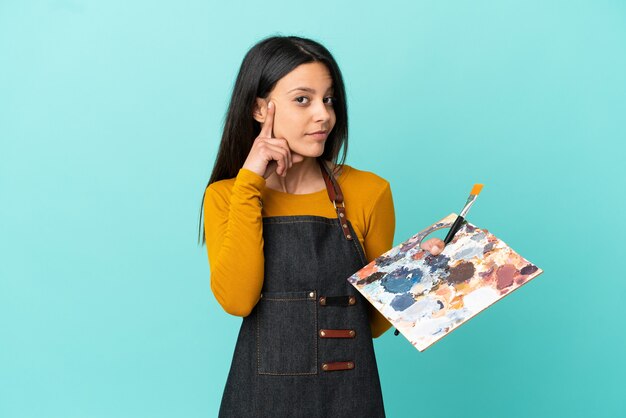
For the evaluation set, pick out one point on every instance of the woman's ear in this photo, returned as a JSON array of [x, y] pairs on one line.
[[260, 110]]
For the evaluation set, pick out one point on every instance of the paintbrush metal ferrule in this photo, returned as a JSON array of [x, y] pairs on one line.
[[470, 201]]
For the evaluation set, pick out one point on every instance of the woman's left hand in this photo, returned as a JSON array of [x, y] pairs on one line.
[[433, 246]]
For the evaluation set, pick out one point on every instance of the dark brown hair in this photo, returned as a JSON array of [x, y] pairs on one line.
[[265, 63]]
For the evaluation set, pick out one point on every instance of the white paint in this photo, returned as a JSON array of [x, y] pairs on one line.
[[480, 298]]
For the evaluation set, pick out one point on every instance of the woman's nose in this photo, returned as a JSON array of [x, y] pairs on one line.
[[321, 112]]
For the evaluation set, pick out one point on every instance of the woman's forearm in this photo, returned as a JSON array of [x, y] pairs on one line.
[[234, 239]]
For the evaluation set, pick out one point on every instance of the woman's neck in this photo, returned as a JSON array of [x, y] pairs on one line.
[[303, 177]]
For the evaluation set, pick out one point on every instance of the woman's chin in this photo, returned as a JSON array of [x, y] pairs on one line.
[[312, 151]]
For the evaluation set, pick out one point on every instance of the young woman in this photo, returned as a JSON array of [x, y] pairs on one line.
[[286, 224]]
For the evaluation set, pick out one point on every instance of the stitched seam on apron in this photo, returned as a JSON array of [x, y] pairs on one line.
[[357, 245], [316, 328], [300, 222], [359, 252], [258, 346]]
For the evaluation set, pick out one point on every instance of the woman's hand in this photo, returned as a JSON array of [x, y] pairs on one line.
[[433, 246], [270, 154]]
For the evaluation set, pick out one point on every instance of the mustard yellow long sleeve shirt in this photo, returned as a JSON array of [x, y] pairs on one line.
[[233, 212]]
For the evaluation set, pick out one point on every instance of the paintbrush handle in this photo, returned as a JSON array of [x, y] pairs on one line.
[[454, 229]]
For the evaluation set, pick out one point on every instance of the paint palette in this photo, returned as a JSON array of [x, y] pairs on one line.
[[426, 297]]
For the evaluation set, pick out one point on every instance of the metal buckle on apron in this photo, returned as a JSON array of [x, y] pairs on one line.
[[337, 300], [343, 205]]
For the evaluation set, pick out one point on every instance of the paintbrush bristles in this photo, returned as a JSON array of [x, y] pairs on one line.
[[476, 189]]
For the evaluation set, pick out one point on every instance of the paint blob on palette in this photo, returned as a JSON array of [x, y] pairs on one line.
[[425, 297]]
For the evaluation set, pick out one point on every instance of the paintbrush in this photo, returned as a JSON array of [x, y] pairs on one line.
[[461, 218]]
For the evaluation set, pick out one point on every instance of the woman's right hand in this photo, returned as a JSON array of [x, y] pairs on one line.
[[270, 154]]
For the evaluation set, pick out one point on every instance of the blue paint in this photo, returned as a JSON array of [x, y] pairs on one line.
[[400, 280], [478, 236], [387, 260], [396, 284], [436, 262], [403, 301], [470, 252]]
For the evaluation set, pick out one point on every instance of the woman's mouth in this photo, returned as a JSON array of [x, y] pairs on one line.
[[319, 135]]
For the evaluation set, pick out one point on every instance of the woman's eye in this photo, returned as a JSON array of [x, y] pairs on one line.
[[304, 100]]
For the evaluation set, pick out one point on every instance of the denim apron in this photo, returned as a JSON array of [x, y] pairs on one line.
[[306, 348]]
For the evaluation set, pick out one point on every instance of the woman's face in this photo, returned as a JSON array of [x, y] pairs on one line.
[[303, 101]]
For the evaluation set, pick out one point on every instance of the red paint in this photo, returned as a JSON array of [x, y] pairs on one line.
[[505, 275]]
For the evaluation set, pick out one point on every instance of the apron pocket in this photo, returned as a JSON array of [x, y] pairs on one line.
[[287, 333]]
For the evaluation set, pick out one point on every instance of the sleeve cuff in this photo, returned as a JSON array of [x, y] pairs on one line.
[[249, 179]]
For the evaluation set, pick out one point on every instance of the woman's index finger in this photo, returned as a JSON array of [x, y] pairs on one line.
[[266, 131]]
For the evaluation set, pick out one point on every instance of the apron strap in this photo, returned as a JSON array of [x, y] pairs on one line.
[[336, 196]]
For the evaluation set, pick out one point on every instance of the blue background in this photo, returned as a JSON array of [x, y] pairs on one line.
[[110, 118]]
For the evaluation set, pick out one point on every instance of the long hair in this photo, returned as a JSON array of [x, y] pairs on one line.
[[265, 63]]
